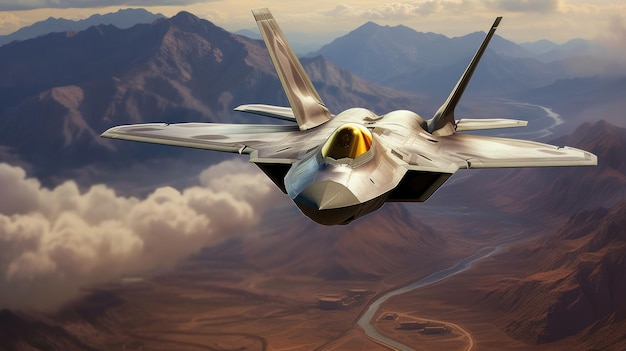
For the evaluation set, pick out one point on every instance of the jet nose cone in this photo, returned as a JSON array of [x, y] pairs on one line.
[[326, 195]]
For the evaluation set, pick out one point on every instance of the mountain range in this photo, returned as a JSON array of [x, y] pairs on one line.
[[125, 18], [172, 70], [405, 59]]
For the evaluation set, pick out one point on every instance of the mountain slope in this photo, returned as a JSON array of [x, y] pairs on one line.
[[21, 332], [376, 53], [384, 243], [576, 279]]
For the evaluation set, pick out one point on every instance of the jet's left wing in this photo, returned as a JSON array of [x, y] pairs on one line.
[[264, 143], [474, 151]]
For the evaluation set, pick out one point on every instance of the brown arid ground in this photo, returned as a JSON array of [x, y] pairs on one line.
[[242, 310], [454, 301], [204, 307], [456, 339], [277, 314], [226, 306]]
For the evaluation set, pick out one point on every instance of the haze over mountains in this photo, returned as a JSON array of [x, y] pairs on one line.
[[59, 91], [121, 19], [405, 59]]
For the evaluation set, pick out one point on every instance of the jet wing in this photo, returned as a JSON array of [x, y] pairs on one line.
[[473, 151], [264, 143]]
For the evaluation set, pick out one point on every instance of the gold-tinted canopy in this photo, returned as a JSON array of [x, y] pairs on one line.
[[348, 141]]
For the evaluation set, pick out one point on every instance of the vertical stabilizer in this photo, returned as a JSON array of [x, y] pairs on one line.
[[443, 122], [307, 106]]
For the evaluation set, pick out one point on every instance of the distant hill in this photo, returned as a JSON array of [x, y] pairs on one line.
[[580, 100], [375, 52], [405, 59], [540, 46], [546, 50], [125, 18]]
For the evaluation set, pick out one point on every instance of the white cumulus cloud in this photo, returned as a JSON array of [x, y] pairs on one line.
[[53, 242]]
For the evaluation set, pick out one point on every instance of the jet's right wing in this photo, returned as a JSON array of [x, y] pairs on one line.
[[307, 106]]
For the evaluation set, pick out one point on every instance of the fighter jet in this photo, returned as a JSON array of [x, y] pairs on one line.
[[337, 168]]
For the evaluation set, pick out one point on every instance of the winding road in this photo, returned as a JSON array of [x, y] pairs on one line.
[[366, 319]]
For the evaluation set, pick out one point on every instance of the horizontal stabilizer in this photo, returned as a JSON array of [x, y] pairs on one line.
[[467, 124], [284, 113]]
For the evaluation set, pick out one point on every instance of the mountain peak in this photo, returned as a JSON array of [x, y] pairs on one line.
[[185, 17], [368, 28], [189, 22]]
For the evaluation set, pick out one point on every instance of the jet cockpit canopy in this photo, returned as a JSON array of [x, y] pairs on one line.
[[349, 141]]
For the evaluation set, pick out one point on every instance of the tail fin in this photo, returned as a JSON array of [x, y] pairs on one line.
[[443, 122], [307, 106]]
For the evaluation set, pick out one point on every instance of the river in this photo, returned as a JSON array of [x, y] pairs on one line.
[[366, 319]]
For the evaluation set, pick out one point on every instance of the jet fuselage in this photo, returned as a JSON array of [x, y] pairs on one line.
[[356, 170]]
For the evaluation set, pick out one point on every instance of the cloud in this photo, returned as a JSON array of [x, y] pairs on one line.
[[54, 242], [398, 10], [8, 22], [66, 4], [525, 5], [616, 34]]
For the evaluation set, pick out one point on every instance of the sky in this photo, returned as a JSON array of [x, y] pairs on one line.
[[524, 20]]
